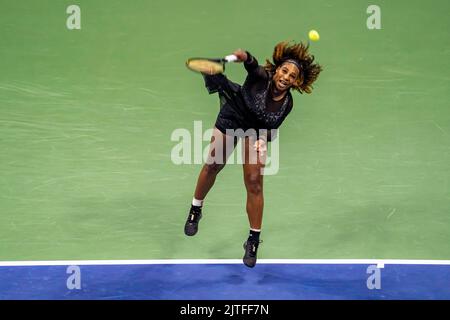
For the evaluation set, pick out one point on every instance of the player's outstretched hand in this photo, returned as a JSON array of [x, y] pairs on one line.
[[241, 55]]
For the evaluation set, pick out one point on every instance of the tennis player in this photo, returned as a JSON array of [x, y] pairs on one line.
[[258, 106]]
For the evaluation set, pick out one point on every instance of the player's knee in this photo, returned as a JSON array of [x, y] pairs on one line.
[[213, 168], [253, 183]]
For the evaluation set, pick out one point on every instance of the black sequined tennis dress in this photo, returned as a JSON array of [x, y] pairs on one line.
[[249, 106]]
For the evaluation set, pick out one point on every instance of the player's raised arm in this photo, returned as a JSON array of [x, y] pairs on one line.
[[241, 55], [250, 63]]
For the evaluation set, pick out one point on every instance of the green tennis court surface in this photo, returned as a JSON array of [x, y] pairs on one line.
[[86, 118]]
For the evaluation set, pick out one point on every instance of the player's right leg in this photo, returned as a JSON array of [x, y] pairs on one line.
[[220, 149]]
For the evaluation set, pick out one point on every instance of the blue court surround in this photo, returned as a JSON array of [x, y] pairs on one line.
[[226, 282]]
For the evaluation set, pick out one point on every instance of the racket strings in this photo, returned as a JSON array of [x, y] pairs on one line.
[[205, 66]]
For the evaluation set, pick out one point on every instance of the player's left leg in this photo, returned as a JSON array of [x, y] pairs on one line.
[[253, 165]]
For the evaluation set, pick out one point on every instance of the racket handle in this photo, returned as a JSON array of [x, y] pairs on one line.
[[231, 58]]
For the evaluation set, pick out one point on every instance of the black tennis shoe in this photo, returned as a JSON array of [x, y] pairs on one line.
[[251, 250], [191, 226]]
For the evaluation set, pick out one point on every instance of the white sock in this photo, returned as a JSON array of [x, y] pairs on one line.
[[197, 203], [255, 230]]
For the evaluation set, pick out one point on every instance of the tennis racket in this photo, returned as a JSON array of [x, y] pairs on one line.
[[209, 66]]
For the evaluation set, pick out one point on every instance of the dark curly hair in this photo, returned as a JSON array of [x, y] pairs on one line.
[[309, 70]]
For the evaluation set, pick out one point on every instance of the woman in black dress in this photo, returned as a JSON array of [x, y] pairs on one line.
[[257, 107]]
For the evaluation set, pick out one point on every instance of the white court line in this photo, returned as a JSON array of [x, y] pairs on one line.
[[378, 262]]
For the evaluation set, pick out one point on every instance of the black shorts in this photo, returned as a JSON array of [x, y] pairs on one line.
[[234, 113]]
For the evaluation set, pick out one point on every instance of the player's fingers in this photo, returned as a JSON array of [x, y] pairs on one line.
[[263, 146], [240, 54]]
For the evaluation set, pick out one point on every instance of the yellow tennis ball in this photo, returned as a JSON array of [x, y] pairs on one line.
[[314, 35]]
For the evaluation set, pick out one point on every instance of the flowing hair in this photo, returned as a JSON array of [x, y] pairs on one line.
[[309, 70]]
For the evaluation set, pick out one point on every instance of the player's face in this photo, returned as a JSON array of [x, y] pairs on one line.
[[285, 76]]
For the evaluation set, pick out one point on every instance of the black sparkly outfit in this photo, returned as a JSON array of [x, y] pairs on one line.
[[249, 106]]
